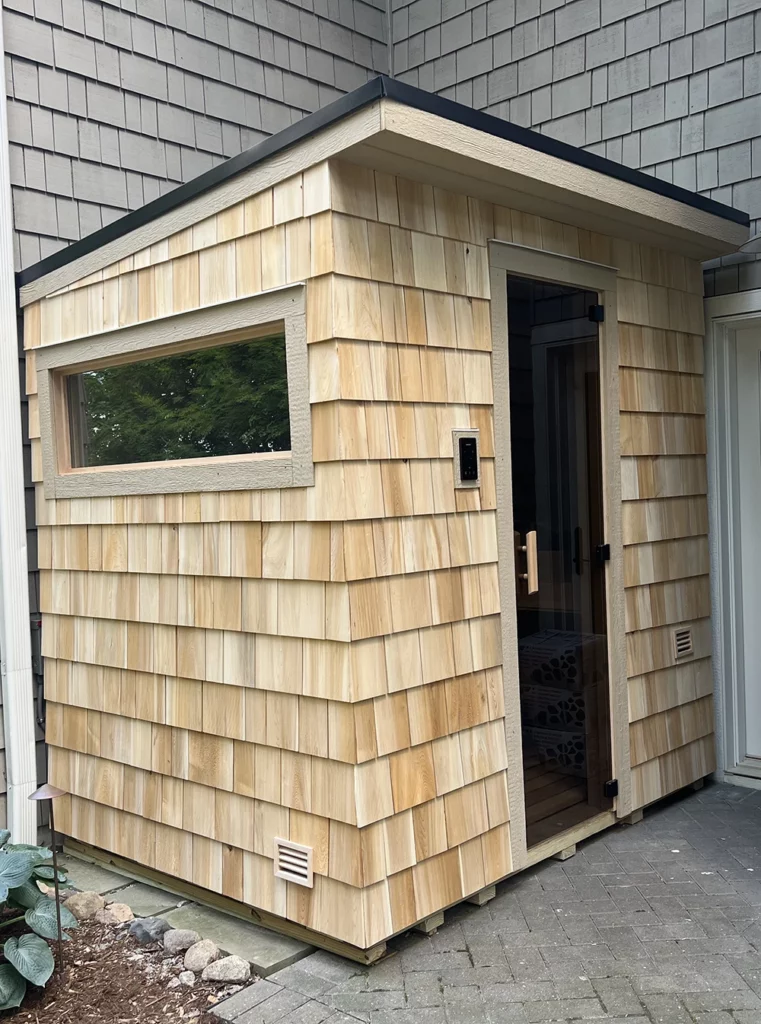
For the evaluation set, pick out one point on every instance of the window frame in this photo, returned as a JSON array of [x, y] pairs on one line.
[[281, 310]]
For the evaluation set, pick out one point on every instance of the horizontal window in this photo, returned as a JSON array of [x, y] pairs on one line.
[[214, 399], [219, 401]]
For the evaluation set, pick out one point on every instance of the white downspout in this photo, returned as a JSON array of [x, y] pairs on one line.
[[15, 641]]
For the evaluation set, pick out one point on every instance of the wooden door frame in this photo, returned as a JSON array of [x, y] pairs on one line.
[[505, 257], [724, 315]]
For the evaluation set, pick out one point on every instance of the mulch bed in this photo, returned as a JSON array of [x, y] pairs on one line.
[[110, 979]]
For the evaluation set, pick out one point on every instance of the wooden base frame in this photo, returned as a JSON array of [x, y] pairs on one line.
[[558, 847], [219, 902]]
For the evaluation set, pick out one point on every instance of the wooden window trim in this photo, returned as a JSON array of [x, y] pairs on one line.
[[225, 322]]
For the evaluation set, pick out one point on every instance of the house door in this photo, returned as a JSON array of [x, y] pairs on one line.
[[556, 453], [748, 551]]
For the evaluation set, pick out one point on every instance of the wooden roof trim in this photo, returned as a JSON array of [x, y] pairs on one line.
[[334, 138], [478, 154], [400, 111]]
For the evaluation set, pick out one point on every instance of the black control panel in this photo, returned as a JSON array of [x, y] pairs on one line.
[[468, 459]]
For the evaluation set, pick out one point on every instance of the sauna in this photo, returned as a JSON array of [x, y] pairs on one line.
[[371, 493]]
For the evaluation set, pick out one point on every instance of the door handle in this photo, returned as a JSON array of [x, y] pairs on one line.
[[578, 558], [531, 576]]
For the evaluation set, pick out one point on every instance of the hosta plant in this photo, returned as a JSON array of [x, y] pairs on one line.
[[28, 958]]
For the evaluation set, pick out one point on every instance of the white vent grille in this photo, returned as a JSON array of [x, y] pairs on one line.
[[683, 642], [293, 862]]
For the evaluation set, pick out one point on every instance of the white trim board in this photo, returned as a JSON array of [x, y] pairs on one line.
[[724, 314]]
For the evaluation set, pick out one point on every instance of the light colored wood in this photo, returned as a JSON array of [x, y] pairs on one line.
[[483, 896], [325, 662], [673, 770], [566, 853], [430, 925], [218, 901]]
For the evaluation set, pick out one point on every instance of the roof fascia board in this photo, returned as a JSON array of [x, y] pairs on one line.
[[498, 127], [382, 153], [688, 216], [432, 139], [324, 142]]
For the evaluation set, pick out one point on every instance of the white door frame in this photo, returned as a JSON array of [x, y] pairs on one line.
[[724, 315]]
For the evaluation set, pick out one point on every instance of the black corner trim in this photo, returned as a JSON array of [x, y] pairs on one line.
[[376, 88]]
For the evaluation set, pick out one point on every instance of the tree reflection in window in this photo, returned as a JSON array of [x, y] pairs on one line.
[[226, 400]]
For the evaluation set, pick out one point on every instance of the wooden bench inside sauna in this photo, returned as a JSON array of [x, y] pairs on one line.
[[370, 483]]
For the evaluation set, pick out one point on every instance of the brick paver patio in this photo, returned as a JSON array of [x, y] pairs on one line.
[[657, 923]]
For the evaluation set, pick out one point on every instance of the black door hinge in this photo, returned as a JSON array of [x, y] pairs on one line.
[[603, 553], [610, 789], [597, 314]]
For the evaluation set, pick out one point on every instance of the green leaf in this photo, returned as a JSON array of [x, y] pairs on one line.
[[12, 987], [15, 868], [26, 895], [31, 956], [40, 854], [42, 919], [5, 835], [46, 874]]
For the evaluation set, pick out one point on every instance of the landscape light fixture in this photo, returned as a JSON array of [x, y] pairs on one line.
[[48, 792]]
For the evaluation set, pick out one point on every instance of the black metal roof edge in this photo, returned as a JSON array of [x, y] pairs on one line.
[[376, 88], [216, 175]]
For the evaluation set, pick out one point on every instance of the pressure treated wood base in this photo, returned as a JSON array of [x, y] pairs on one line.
[[559, 846], [566, 853], [430, 925], [224, 903], [483, 896], [589, 827]]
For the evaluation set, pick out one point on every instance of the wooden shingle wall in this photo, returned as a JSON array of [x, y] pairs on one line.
[[324, 664], [666, 559]]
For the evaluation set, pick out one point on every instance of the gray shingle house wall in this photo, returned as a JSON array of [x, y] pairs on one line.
[[669, 86], [112, 103]]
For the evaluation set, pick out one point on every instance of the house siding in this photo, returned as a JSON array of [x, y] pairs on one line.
[[670, 88], [112, 104]]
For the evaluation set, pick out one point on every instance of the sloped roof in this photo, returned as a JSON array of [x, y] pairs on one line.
[[391, 90]]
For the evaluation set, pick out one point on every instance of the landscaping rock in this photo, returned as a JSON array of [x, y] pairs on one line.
[[85, 905], [177, 940], [186, 978], [230, 969], [149, 929], [200, 955], [114, 914]]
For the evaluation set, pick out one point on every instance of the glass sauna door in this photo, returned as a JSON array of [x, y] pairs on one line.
[[559, 553]]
